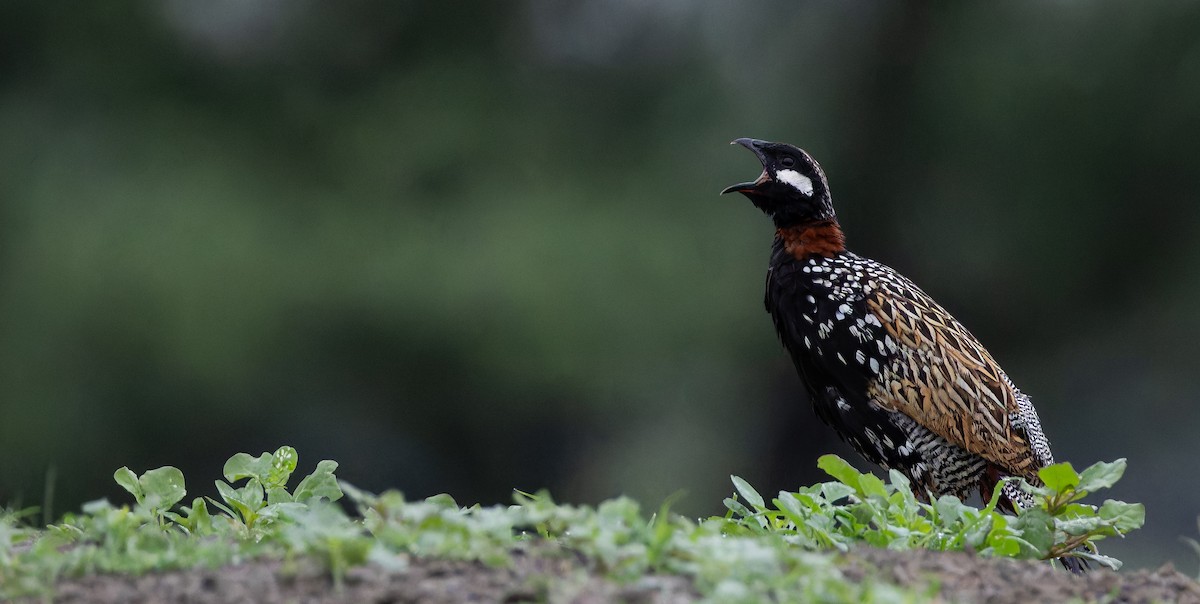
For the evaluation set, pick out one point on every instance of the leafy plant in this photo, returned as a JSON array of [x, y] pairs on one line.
[[858, 507], [157, 491], [264, 497]]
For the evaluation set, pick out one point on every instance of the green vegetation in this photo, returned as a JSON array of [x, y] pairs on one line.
[[786, 551], [860, 508]]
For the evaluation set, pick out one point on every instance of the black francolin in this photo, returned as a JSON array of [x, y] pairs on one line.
[[887, 367]]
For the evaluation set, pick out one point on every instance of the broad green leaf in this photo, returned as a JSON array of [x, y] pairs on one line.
[[872, 485], [1037, 528], [243, 465], [835, 491], [791, 507], [1027, 550], [321, 484], [236, 499], [949, 509], [802, 502], [228, 493], [1123, 516], [283, 463], [975, 534], [278, 495], [273, 511], [1059, 477], [1101, 475], [163, 487], [252, 495], [841, 470], [1005, 545], [877, 539], [441, 499], [128, 481], [748, 493], [1080, 525], [1077, 509]]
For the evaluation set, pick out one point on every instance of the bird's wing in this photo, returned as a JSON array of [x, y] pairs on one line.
[[943, 378], [884, 342]]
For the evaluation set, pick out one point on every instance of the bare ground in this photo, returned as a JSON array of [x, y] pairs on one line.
[[545, 578]]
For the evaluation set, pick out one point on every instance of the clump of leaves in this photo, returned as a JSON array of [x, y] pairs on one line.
[[264, 497], [156, 532], [858, 507]]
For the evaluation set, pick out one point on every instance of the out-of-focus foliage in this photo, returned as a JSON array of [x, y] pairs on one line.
[[473, 246]]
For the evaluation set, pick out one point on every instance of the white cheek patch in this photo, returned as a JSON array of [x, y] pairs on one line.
[[797, 180]]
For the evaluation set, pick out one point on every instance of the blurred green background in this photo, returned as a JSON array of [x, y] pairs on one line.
[[473, 246]]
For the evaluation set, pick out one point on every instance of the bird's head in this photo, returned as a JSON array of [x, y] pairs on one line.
[[791, 189]]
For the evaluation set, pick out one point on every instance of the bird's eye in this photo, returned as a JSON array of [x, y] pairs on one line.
[[787, 161]]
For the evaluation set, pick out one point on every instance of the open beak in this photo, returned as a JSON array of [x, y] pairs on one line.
[[749, 187]]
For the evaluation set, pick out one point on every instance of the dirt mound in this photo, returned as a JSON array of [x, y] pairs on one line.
[[964, 577]]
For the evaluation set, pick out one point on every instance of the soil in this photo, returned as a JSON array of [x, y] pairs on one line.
[[544, 578]]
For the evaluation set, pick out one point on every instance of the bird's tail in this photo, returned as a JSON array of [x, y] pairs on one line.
[[1074, 564]]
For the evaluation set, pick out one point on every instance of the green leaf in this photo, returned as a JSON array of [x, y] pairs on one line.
[[278, 495], [1059, 477], [129, 481], [976, 533], [748, 493], [196, 519], [283, 463], [791, 505], [1123, 516], [1005, 544], [835, 491], [1077, 509], [246, 501], [801, 502], [737, 508], [1101, 475], [252, 495], [949, 509], [275, 510], [163, 487], [997, 491], [1037, 528], [199, 520], [1032, 489], [321, 484], [871, 485], [243, 465], [228, 493], [1080, 525], [222, 506], [443, 500], [841, 470]]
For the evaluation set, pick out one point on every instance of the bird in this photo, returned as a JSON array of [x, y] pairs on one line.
[[886, 366]]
